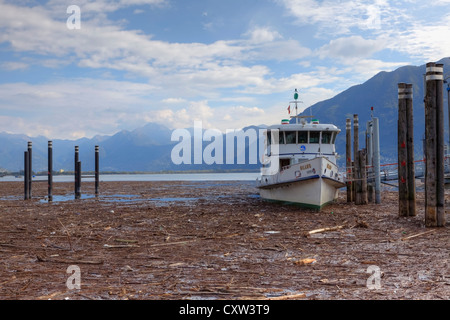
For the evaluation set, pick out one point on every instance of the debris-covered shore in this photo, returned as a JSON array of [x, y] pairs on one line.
[[213, 240]]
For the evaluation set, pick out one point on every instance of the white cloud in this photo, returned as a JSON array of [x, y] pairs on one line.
[[196, 66], [349, 48], [262, 34], [13, 65], [82, 105], [337, 17]]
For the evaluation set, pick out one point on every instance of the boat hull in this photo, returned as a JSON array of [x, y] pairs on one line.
[[309, 184]]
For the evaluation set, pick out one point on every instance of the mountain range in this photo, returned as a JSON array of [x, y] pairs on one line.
[[149, 148]]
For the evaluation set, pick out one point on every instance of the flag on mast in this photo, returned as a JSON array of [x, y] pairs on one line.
[[289, 109]]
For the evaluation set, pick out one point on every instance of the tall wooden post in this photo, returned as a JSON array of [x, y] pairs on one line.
[[356, 175], [434, 152], [348, 156], [411, 197], [440, 151], [369, 162], [402, 154], [97, 170], [50, 171], [362, 186]]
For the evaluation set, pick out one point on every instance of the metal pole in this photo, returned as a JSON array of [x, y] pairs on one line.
[[78, 178], [376, 159], [75, 170], [97, 170], [25, 175], [30, 168], [50, 171]]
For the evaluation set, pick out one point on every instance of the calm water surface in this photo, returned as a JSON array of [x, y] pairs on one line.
[[241, 176]]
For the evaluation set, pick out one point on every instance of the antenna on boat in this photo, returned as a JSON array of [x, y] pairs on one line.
[[296, 101]]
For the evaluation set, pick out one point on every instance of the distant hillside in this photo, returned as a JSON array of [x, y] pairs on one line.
[[381, 93]]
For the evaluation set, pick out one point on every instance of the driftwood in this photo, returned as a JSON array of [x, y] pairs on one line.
[[68, 261], [288, 297], [323, 230], [418, 235]]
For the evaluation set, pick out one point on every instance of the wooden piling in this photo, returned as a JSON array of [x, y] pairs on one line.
[[348, 156], [434, 171], [402, 153], [440, 152], [369, 162], [362, 186], [356, 174], [411, 172], [50, 171], [97, 170]]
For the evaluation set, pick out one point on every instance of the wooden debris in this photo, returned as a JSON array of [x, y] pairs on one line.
[[323, 230], [418, 235], [120, 246], [172, 243], [289, 297], [305, 261], [68, 261], [126, 241]]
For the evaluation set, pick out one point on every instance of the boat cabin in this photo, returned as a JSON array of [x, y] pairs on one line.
[[295, 143]]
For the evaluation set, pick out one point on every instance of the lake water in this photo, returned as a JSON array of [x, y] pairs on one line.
[[241, 176]]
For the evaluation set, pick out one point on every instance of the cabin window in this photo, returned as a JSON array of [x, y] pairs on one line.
[[291, 137], [281, 137], [333, 140], [326, 137], [303, 137], [314, 137]]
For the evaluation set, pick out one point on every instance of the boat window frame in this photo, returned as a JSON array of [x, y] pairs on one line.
[[333, 138], [286, 137], [318, 141], [281, 137], [298, 137], [269, 138], [322, 137]]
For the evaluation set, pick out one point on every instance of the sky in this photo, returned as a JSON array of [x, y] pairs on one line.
[[116, 65]]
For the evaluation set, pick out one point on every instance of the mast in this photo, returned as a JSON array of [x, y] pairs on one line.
[[296, 101]]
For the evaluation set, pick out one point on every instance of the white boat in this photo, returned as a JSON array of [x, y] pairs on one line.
[[299, 163]]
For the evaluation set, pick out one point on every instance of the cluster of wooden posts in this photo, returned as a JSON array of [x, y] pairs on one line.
[[363, 184], [366, 161], [28, 169]]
